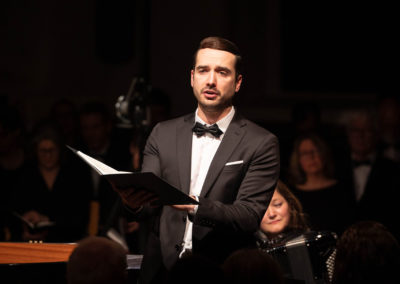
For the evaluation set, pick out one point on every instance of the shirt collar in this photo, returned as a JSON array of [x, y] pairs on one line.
[[223, 123]]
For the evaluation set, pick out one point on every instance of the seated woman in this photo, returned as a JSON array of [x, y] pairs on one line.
[[50, 190], [325, 200], [283, 220], [285, 235]]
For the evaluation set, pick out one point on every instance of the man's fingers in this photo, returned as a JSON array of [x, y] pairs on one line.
[[136, 198]]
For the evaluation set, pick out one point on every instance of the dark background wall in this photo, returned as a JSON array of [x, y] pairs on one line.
[[335, 53]]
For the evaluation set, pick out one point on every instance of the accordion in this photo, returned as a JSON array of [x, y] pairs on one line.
[[309, 257]]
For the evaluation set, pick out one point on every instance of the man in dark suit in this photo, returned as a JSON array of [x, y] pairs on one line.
[[373, 178], [231, 174]]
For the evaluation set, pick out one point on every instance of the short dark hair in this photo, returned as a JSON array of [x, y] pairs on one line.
[[220, 43], [367, 252], [251, 265], [97, 260], [96, 107]]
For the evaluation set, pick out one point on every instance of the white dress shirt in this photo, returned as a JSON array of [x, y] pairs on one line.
[[203, 151], [360, 175]]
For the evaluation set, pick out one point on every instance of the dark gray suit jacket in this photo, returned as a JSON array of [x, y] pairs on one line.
[[233, 198]]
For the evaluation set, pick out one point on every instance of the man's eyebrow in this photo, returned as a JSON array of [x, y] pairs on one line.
[[218, 68], [202, 67], [222, 68]]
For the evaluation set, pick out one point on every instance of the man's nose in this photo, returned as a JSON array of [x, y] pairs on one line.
[[211, 79]]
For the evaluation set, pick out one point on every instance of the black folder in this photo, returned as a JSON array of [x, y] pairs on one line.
[[167, 194]]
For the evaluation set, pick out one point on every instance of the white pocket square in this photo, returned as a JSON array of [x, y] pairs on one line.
[[234, 163]]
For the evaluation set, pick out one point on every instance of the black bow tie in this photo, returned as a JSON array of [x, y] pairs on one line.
[[199, 129]]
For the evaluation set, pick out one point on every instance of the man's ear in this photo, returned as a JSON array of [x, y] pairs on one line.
[[191, 77], [238, 83]]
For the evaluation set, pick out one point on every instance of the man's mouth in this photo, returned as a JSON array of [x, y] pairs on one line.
[[210, 94]]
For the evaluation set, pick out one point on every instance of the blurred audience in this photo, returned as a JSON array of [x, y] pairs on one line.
[[97, 260], [325, 199], [50, 189], [194, 269], [389, 128], [367, 253], [373, 179], [305, 118], [64, 114], [252, 266], [13, 155], [101, 141]]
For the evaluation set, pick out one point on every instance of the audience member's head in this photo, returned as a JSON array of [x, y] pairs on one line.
[[47, 146], [97, 260], [310, 156], [367, 253], [195, 269], [96, 126], [361, 133], [64, 114], [284, 213], [252, 266]]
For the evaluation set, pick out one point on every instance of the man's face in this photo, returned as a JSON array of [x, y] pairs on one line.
[[95, 131], [361, 136], [214, 79]]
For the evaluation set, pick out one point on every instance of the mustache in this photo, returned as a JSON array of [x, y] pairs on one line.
[[215, 90]]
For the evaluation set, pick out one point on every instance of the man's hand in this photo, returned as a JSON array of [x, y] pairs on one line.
[[187, 207], [135, 198]]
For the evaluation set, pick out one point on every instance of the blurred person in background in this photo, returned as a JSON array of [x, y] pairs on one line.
[[367, 252], [325, 199], [50, 189]]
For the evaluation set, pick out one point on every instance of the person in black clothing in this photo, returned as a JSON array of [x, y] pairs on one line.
[[49, 189], [372, 179], [325, 199], [13, 156], [102, 141]]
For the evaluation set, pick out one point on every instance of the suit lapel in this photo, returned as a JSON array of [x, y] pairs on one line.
[[231, 139], [184, 151]]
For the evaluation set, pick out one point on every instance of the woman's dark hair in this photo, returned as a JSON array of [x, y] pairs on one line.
[[221, 44], [296, 173]]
